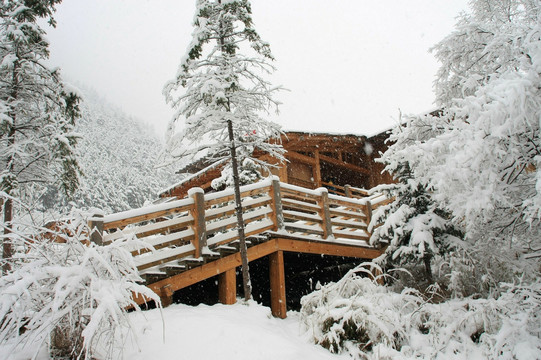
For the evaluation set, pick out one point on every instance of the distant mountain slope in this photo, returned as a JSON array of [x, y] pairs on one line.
[[117, 156]]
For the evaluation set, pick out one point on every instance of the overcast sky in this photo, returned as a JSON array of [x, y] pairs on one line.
[[350, 65]]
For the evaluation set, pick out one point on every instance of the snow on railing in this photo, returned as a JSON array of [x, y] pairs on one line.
[[203, 224]]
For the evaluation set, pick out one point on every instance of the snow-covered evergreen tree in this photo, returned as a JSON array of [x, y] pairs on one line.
[[118, 156], [479, 159], [37, 112], [220, 92]]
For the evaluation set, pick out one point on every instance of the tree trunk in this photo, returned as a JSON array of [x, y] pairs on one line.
[[7, 250], [242, 239], [428, 268]]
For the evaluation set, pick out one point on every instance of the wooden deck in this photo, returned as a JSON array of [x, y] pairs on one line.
[[182, 242]]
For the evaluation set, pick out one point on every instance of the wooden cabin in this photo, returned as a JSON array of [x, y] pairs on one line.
[[314, 160]]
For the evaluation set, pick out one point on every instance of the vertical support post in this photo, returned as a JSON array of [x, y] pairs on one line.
[[278, 215], [227, 287], [376, 272], [166, 295], [347, 190], [199, 226], [277, 284], [283, 171], [325, 213], [368, 208], [95, 224], [318, 169]]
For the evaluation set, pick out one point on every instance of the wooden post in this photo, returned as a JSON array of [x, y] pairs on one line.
[[166, 295], [277, 284], [199, 226], [368, 217], [347, 190], [95, 224], [317, 169], [227, 287], [376, 272], [278, 216], [325, 213]]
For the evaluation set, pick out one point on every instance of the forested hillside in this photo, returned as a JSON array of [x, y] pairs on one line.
[[117, 155]]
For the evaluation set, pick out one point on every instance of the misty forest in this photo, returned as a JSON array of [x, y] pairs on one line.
[[420, 242]]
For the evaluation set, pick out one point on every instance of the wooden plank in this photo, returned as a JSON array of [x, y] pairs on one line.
[[161, 241], [305, 229], [227, 287], [151, 229], [349, 224], [355, 235], [231, 222], [303, 216], [277, 284], [347, 213], [299, 205], [231, 197], [298, 195], [254, 229], [145, 217], [327, 248], [162, 256], [247, 204]]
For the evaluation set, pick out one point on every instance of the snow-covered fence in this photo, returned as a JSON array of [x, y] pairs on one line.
[[204, 226]]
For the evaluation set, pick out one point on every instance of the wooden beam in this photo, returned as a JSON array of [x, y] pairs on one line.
[[300, 157], [227, 287], [327, 248], [331, 160], [211, 269], [277, 284], [317, 169]]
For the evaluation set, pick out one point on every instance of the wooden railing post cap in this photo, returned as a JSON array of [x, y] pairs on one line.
[[96, 213], [322, 190], [274, 178], [195, 190]]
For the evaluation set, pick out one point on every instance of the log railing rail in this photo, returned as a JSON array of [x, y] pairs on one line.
[[203, 226]]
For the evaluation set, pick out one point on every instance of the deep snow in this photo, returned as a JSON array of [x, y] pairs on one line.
[[235, 332], [225, 332]]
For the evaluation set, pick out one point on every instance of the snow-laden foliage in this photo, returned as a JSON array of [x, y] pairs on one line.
[[475, 165], [118, 157], [70, 296], [370, 321], [221, 79], [37, 111]]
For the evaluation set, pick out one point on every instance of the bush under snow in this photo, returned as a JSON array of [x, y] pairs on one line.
[[369, 321], [69, 297]]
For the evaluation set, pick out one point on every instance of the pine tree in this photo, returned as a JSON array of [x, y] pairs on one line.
[[479, 158], [221, 92], [38, 112]]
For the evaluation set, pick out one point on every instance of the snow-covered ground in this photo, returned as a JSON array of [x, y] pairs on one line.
[[236, 332]]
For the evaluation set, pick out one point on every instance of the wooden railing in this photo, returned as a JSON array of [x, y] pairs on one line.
[[203, 226]]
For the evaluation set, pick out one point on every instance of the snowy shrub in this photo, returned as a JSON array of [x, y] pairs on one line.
[[72, 296], [356, 313], [367, 321]]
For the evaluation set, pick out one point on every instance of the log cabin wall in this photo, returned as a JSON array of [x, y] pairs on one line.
[[314, 160]]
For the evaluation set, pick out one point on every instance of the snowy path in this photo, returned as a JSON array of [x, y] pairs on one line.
[[236, 332]]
